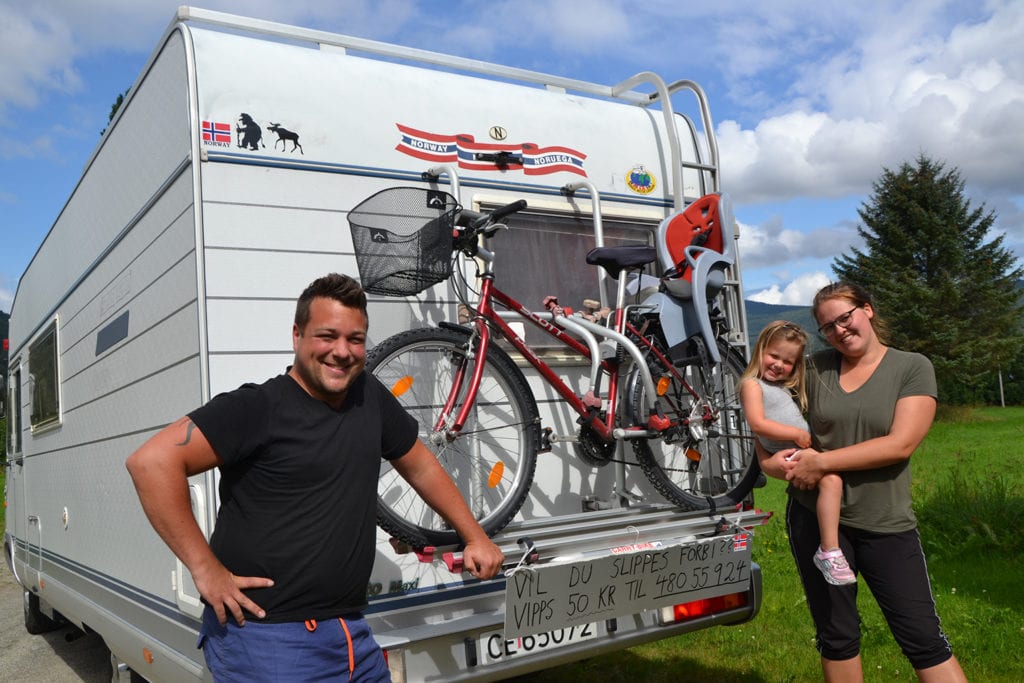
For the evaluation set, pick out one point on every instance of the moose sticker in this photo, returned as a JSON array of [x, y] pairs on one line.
[[283, 136]]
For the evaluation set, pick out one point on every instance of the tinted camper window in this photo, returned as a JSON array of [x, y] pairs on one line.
[[42, 368], [14, 412], [543, 255]]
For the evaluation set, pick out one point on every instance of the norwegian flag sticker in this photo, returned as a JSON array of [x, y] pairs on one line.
[[216, 132], [740, 542]]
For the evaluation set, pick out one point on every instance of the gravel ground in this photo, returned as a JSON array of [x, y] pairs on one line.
[[62, 656]]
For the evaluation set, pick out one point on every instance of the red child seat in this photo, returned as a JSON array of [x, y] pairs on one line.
[[702, 231]]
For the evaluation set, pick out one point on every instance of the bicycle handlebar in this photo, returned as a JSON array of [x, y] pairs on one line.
[[508, 209], [477, 219]]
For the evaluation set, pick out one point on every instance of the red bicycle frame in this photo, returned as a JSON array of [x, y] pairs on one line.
[[487, 316]]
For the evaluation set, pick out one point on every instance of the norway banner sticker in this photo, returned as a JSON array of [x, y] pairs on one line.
[[216, 132], [463, 149]]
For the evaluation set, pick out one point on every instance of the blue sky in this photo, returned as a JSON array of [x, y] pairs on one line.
[[810, 100]]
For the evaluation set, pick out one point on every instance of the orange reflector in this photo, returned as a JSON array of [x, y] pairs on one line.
[[401, 386], [693, 454], [663, 384], [496, 474], [147, 655]]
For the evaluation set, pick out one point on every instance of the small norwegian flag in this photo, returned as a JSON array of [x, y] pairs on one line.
[[216, 131]]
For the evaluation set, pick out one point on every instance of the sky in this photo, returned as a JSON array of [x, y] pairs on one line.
[[811, 101]]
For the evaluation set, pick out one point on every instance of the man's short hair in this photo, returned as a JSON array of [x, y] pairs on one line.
[[341, 288]]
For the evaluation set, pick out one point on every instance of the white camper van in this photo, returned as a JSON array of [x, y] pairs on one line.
[[219, 191]]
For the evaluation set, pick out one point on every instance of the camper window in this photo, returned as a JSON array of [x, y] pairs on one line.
[[42, 369], [546, 254], [14, 412]]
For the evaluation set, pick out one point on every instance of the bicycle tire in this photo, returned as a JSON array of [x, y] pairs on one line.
[[492, 460], [713, 463]]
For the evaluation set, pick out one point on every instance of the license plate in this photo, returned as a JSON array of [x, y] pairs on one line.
[[496, 648]]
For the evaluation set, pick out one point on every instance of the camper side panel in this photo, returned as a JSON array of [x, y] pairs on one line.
[[137, 155], [116, 280]]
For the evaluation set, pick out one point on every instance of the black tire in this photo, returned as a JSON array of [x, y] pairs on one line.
[[492, 461], [711, 463], [35, 621]]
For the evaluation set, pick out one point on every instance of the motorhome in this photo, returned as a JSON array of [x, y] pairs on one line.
[[218, 192]]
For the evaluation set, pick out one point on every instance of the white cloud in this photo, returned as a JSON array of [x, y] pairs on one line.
[[6, 295], [899, 89], [36, 53], [799, 292], [772, 244]]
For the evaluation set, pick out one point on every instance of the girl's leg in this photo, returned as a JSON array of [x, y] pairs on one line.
[[830, 498], [829, 558]]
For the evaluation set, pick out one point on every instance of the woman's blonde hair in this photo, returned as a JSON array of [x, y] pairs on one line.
[[856, 295], [782, 330]]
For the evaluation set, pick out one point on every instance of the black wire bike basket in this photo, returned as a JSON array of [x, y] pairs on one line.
[[402, 237]]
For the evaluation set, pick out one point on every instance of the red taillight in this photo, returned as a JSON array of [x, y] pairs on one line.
[[702, 608]]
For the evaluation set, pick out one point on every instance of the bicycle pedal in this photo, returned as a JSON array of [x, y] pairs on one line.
[[658, 423]]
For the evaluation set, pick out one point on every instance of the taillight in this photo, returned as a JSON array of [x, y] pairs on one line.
[[701, 608]]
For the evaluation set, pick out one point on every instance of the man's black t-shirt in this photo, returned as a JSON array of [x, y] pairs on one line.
[[298, 490]]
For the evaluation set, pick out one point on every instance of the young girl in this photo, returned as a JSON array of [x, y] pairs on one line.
[[774, 399]]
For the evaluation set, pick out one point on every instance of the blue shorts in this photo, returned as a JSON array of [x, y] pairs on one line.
[[329, 650]]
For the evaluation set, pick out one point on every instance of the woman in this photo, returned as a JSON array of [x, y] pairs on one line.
[[869, 407]]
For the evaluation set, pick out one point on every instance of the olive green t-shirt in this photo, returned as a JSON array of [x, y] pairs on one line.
[[874, 500]]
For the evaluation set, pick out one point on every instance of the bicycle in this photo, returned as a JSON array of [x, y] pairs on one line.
[[671, 393]]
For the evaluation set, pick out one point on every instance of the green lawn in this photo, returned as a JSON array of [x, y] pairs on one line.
[[970, 500]]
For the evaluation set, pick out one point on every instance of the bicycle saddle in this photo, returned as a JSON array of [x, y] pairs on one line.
[[617, 259]]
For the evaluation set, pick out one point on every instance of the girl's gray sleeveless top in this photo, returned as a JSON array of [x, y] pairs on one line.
[[780, 407]]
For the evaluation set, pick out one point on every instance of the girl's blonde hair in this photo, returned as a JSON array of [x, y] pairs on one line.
[[782, 330]]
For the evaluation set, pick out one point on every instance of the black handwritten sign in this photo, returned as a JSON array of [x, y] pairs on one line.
[[623, 581]]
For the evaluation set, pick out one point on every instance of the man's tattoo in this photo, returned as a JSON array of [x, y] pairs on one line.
[[189, 426]]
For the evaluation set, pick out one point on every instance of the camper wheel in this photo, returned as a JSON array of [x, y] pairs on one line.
[[35, 621]]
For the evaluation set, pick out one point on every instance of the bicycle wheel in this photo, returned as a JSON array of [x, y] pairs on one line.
[[491, 461], [710, 462]]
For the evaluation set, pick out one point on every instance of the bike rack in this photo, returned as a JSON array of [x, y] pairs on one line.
[[595, 201]]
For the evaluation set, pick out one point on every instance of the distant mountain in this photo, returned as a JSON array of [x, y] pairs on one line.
[[759, 315]]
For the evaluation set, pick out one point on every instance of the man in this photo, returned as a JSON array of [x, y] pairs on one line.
[[285, 572]]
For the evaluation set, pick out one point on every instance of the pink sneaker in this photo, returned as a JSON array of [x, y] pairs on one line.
[[834, 567]]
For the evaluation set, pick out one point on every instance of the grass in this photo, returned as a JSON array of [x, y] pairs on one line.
[[969, 496]]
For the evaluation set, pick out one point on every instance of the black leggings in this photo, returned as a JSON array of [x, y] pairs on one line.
[[894, 568]]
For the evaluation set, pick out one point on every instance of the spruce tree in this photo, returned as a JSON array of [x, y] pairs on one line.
[[944, 286]]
